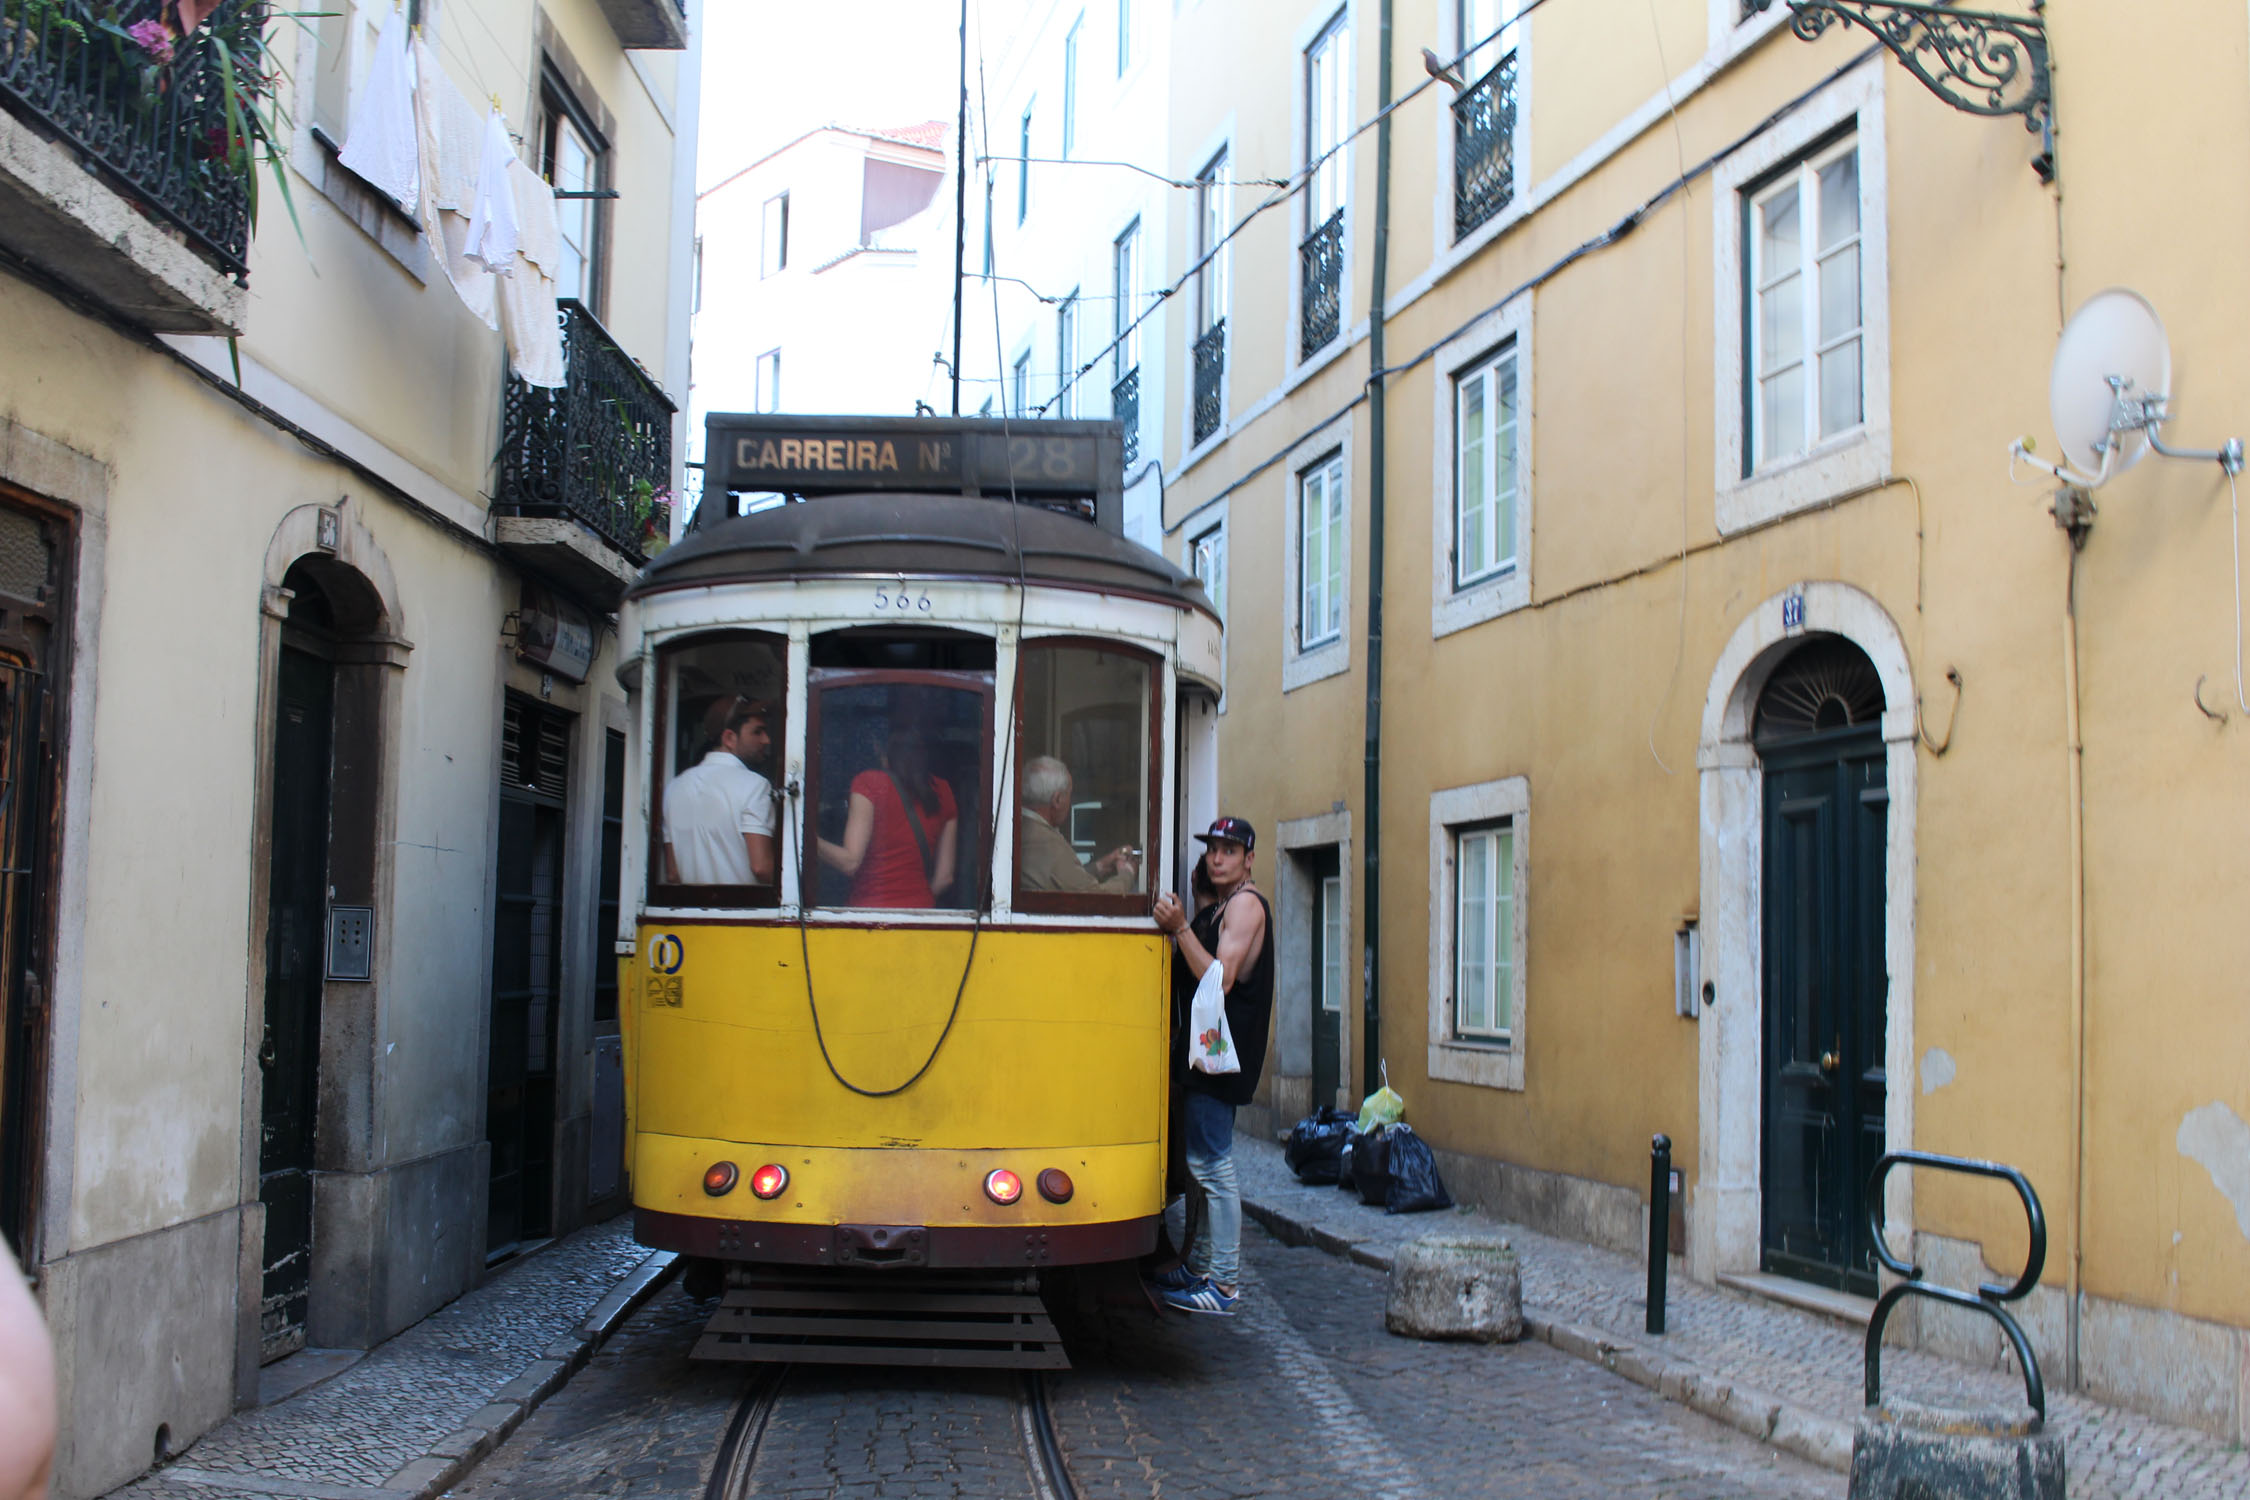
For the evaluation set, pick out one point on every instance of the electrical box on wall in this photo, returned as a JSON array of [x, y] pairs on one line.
[[1687, 971], [351, 942]]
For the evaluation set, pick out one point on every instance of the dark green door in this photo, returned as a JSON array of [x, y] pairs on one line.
[[526, 976], [1826, 980], [289, 1053], [1327, 976]]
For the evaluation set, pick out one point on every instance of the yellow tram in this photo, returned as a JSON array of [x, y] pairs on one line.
[[915, 747]]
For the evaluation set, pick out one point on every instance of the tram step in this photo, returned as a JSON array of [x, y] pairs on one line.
[[882, 1320]]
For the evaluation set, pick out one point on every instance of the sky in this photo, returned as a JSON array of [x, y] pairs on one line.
[[774, 69]]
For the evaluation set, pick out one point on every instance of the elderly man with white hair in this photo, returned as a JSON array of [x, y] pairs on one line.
[[1045, 861]]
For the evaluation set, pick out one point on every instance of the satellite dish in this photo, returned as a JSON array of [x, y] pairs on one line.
[[2116, 334]]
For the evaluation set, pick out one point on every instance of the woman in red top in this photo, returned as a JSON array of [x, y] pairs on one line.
[[902, 833]]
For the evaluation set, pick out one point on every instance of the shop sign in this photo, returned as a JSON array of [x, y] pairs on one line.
[[554, 634]]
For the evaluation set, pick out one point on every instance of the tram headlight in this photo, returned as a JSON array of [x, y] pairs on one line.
[[720, 1177], [1055, 1185], [769, 1180], [1002, 1186]]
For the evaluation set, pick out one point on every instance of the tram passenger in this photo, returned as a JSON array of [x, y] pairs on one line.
[[903, 830], [1045, 861], [718, 813], [1238, 935]]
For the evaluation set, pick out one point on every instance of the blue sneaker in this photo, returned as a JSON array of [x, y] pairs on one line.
[[1204, 1297], [1178, 1279]]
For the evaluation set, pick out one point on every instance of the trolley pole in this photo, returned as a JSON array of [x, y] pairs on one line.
[[960, 202]]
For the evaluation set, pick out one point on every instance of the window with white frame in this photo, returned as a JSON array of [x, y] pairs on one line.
[[1479, 867], [1070, 87], [1019, 385], [1487, 34], [1207, 560], [1806, 346], [1484, 957], [773, 235], [1124, 36], [1486, 473], [1210, 233], [1328, 112], [1066, 358], [768, 391], [1125, 280], [1023, 163], [1320, 553]]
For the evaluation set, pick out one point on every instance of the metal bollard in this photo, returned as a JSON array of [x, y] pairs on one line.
[[1659, 1226]]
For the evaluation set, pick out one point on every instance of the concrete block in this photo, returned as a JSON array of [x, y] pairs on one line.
[[1826, 1441], [1906, 1451], [1456, 1287]]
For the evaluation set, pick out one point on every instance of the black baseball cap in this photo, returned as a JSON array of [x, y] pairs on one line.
[[1236, 830]]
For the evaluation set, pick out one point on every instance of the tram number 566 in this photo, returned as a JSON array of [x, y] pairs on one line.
[[903, 602]]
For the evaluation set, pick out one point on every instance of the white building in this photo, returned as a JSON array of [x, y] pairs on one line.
[[1069, 228], [823, 281]]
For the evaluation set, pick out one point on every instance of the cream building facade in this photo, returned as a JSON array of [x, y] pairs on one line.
[[315, 749], [1871, 810]]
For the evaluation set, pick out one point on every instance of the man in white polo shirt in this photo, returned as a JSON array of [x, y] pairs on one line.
[[718, 813]]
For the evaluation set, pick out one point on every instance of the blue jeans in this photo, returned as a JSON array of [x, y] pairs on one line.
[[1208, 1131]]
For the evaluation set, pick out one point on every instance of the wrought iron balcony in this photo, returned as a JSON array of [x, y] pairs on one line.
[[1484, 147], [1210, 378], [1320, 259], [596, 451], [1125, 406], [146, 109]]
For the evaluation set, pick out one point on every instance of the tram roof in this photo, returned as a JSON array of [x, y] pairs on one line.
[[931, 535]]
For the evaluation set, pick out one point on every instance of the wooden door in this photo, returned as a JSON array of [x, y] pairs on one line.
[[1328, 928], [289, 1053], [526, 976]]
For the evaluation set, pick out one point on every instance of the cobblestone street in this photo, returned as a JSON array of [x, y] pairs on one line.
[[1303, 1394]]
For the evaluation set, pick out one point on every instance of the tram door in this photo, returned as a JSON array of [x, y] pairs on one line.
[[526, 976], [289, 1051]]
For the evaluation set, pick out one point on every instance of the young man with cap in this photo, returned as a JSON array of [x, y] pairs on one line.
[[1236, 932]]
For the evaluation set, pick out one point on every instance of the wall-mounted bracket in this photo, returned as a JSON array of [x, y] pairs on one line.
[[1976, 61]]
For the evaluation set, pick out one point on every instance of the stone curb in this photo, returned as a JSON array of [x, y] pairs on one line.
[[451, 1458], [1794, 1429]]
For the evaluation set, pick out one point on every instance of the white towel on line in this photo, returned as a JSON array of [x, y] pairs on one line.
[[445, 226], [494, 236], [536, 216], [533, 325], [381, 142]]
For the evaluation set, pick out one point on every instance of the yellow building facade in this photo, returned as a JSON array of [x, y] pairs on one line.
[[1758, 761], [311, 722]]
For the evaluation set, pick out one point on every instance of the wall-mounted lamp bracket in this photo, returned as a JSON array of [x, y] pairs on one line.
[[1976, 61]]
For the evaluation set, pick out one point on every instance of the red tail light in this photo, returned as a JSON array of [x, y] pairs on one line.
[[1002, 1186], [719, 1178], [1055, 1185], [769, 1180]]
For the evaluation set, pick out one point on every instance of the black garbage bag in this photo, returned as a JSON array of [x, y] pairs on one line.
[[1414, 1182], [1316, 1144], [1371, 1169]]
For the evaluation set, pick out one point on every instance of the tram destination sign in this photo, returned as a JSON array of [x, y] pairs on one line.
[[1032, 460]]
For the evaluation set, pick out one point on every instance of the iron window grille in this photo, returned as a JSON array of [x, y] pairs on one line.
[[1210, 378], [158, 130], [1320, 259], [1125, 407], [1484, 147], [596, 449]]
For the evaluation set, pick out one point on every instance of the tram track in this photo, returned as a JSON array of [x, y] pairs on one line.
[[735, 1473]]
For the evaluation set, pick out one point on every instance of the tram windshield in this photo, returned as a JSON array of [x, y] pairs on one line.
[[719, 733], [900, 736], [1083, 772]]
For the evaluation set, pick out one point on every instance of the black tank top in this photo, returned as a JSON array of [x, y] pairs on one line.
[[1249, 1008]]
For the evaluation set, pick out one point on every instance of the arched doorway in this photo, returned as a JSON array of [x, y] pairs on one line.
[[1818, 736]]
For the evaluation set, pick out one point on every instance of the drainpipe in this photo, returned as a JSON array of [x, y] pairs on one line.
[[1371, 839], [2077, 763]]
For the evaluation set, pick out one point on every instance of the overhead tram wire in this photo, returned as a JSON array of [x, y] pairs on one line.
[[1284, 189], [1130, 166], [1576, 253]]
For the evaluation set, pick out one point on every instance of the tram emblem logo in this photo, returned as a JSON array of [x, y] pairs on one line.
[[665, 955]]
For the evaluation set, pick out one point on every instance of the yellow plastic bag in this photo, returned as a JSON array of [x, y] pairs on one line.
[[1383, 1107]]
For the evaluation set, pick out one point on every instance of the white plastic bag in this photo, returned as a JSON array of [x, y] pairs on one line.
[[1210, 1044]]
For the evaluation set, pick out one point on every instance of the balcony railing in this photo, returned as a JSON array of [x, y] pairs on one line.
[[1125, 406], [1484, 147], [596, 449], [148, 109], [1320, 261], [1210, 378]]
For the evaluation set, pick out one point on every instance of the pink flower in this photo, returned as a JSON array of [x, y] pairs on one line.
[[155, 38]]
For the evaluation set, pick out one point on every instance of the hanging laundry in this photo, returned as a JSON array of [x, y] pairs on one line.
[[380, 140], [533, 325], [494, 236], [536, 217], [449, 132]]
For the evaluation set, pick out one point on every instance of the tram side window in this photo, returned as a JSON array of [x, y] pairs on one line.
[[1083, 768], [900, 736], [716, 815]]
